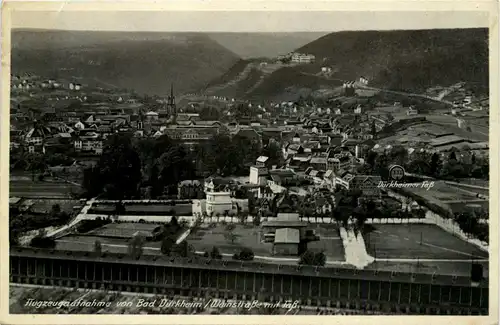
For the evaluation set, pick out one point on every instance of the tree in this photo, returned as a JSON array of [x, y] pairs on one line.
[[307, 258], [243, 216], [182, 249], [215, 253], [398, 155], [43, 242], [274, 153], [118, 171], [184, 224], [42, 233], [256, 220], [135, 246], [436, 164], [55, 211], [92, 182], [319, 259], [360, 215], [119, 208], [246, 254], [97, 247], [311, 258], [452, 169], [174, 223], [173, 165], [232, 237], [167, 245], [371, 157], [14, 237]]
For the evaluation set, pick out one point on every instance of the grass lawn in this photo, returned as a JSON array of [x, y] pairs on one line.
[[123, 230], [247, 236], [29, 189], [330, 242], [441, 268], [112, 245], [131, 209], [46, 205], [418, 241], [441, 193]]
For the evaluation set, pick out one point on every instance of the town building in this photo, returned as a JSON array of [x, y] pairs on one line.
[[88, 142], [411, 111], [190, 189], [171, 105], [286, 241], [302, 58], [348, 88], [363, 81], [259, 172]]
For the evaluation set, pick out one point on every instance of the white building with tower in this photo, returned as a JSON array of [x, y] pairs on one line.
[[259, 172]]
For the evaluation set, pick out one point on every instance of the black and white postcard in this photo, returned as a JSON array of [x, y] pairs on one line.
[[249, 162]]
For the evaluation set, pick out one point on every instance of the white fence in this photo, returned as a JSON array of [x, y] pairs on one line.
[[355, 248], [452, 227]]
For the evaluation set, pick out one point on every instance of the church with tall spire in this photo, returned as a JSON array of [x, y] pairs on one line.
[[171, 106]]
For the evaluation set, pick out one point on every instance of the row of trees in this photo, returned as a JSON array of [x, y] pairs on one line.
[[36, 161], [160, 164], [471, 224], [313, 258], [426, 163], [23, 222]]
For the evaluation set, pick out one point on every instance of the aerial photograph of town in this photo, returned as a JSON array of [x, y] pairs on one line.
[[343, 172]]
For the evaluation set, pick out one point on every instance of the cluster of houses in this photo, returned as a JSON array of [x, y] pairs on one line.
[[29, 82], [85, 128], [299, 58]]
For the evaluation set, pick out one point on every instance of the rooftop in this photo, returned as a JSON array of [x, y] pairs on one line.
[[262, 159], [14, 200], [253, 266], [287, 236]]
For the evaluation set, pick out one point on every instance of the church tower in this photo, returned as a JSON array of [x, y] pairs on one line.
[[171, 106]]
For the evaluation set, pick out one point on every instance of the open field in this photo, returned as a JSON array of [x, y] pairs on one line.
[[478, 133], [145, 209], [393, 110], [32, 189], [418, 241], [330, 242], [441, 268], [111, 245], [474, 181], [45, 205], [246, 236], [442, 192], [123, 230]]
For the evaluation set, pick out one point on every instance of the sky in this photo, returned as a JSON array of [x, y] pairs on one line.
[[234, 21]]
